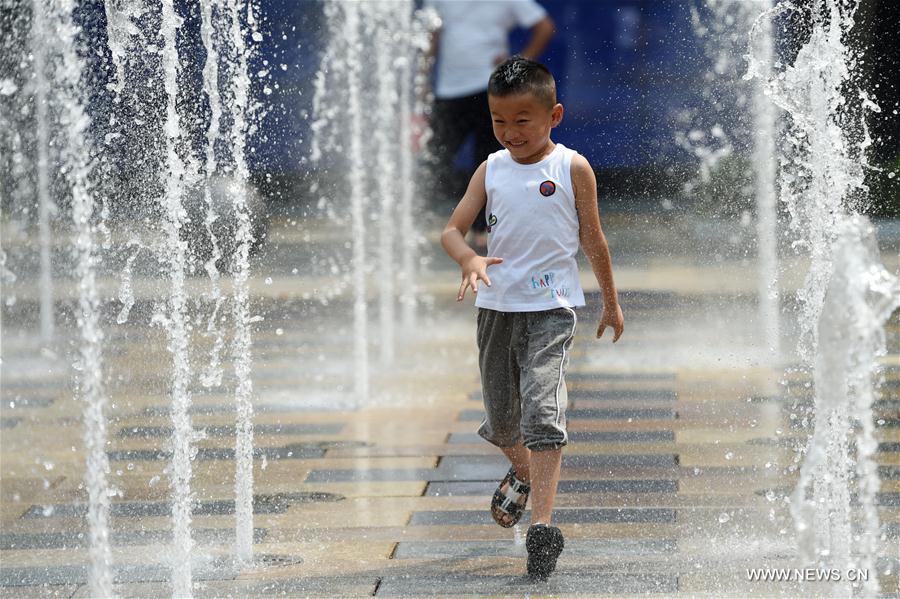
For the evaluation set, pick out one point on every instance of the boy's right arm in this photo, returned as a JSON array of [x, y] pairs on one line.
[[453, 239]]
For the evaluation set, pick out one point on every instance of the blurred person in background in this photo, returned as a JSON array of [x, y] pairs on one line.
[[472, 40]]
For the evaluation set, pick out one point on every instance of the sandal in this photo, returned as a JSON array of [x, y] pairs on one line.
[[544, 544], [511, 502]]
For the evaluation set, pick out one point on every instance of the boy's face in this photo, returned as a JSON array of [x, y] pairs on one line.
[[522, 124]]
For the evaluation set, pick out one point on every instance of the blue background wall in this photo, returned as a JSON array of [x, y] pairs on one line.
[[625, 68]]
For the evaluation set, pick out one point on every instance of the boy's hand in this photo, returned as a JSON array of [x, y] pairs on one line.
[[473, 269], [611, 316]]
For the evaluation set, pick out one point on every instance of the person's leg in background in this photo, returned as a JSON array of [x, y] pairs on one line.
[[448, 132]]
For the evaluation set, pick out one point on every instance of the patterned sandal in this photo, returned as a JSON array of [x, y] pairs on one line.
[[508, 506]]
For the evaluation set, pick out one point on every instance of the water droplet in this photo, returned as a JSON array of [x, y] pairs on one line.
[[729, 455], [154, 480], [723, 518], [268, 280], [279, 331]]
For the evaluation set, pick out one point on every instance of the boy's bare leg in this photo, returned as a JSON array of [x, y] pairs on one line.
[[545, 477], [520, 457]]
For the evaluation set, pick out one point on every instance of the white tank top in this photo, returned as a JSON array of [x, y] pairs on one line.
[[533, 226]]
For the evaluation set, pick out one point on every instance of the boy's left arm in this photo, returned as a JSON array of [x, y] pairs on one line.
[[594, 245]]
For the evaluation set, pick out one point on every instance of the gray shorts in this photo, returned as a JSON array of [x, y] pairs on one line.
[[523, 358]]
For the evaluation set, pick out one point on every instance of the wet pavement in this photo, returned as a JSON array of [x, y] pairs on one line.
[[683, 436]]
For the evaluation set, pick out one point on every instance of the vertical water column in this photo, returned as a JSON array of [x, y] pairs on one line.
[[408, 235], [843, 305], [356, 175], [76, 155], [384, 44], [764, 157], [240, 273], [180, 470], [39, 58], [213, 374]]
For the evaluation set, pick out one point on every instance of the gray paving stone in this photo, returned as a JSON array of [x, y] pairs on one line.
[[621, 414], [608, 395], [40, 591], [28, 402], [623, 394], [638, 460], [589, 437], [293, 451], [57, 575], [620, 376], [451, 489], [618, 486], [889, 472], [63, 540], [211, 409], [560, 515], [374, 475], [486, 468], [593, 414], [6, 423], [575, 547], [154, 432], [622, 436], [579, 583], [262, 504]]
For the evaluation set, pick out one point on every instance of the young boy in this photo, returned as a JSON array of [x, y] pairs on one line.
[[541, 201]]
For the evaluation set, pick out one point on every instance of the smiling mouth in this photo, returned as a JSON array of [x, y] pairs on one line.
[[518, 144]]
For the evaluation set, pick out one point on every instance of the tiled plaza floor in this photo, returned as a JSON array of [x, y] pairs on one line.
[[673, 484]]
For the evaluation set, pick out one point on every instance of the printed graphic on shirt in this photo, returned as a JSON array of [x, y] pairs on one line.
[[492, 220], [548, 188], [546, 281]]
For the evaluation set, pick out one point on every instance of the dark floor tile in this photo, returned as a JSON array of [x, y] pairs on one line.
[[620, 376], [324, 428], [486, 488], [592, 414], [608, 395], [63, 540], [293, 451], [561, 515], [618, 486], [586, 583], [11, 577], [579, 547], [622, 436], [471, 415], [375, 475], [657, 436], [262, 504], [6, 423], [28, 402], [889, 447], [621, 414], [622, 394], [889, 472], [638, 460]]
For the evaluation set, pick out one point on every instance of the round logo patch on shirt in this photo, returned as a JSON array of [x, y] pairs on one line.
[[548, 188]]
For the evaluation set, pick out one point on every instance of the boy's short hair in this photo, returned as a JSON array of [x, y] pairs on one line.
[[520, 75]]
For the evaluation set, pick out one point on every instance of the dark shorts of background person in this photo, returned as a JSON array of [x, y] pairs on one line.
[[523, 358], [452, 122]]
